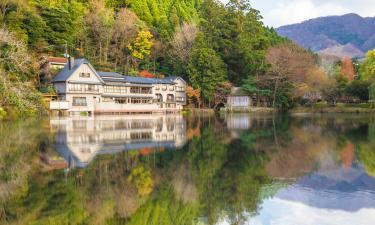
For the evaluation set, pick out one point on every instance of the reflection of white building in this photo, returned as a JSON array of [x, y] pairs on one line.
[[80, 139]]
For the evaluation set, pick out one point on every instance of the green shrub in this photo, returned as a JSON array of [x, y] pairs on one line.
[[3, 113]]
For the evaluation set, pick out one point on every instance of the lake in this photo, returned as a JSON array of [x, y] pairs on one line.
[[173, 169]]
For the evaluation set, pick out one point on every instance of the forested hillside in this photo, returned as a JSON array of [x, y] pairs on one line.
[[211, 45], [348, 35]]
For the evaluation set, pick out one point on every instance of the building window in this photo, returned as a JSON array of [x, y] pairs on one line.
[[134, 90], [171, 88], [179, 99], [84, 75], [170, 98], [140, 90], [75, 87], [164, 88], [120, 100], [180, 89], [79, 101], [106, 99], [92, 88]]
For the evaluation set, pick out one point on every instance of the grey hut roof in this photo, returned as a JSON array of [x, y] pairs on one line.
[[65, 73]]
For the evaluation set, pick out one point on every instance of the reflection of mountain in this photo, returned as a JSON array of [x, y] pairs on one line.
[[79, 140], [344, 189]]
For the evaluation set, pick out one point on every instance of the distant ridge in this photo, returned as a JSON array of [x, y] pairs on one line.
[[349, 35]]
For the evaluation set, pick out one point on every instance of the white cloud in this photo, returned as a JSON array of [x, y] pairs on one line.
[[282, 212], [282, 12]]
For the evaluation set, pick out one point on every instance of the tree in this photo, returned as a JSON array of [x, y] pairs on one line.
[[125, 29], [193, 95], [367, 68], [358, 89], [99, 24], [141, 47], [290, 66], [347, 69], [183, 40], [206, 70]]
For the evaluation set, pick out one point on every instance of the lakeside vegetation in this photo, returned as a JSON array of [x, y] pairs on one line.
[[211, 45]]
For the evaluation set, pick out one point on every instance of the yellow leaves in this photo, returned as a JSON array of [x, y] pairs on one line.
[[141, 46], [142, 180]]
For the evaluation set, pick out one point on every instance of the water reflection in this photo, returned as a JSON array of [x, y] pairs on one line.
[[232, 169], [79, 140]]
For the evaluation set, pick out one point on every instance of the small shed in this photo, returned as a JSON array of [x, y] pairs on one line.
[[238, 98]]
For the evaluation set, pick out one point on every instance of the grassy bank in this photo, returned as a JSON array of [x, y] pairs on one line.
[[351, 109]]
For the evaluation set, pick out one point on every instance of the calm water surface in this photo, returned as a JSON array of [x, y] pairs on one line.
[[230, 169]]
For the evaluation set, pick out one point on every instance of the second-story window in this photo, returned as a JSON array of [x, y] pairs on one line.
[[92, 88], [84, 75], [75, 87], [171, 88]]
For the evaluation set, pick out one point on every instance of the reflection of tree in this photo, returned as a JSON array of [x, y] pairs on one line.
[[164, 209], [229, 177], [366, 151], [20, 141], [142, 180]]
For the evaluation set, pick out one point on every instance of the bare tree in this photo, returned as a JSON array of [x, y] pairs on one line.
[[100, 22], [182, 41], [13, 52]]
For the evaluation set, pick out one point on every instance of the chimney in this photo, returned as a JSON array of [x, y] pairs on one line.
[[70, 62]]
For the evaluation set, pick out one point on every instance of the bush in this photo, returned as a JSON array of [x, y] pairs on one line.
[[3, 113]]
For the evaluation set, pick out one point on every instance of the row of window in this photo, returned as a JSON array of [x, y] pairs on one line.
[[114, 89], [140, 90], [118, 89], [84, 87], [81, 101], [164, 87]]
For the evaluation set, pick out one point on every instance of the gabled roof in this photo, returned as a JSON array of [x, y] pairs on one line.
[[65, 73]]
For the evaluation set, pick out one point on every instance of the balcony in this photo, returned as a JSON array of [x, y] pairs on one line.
[[59, 105]]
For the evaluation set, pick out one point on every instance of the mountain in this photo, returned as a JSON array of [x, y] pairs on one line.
[[348, 35]]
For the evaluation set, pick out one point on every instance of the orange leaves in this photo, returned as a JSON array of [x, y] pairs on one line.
[[146, 73], [194, 95], [347, 69]]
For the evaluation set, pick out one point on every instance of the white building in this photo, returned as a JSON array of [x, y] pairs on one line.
[[80, 88], [238, 99]]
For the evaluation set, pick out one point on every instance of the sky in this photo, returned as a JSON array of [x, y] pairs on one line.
[[283, 12]]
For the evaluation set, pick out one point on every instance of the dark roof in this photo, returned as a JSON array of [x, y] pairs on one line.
[[109, 74], [65, 73], [114, 77]]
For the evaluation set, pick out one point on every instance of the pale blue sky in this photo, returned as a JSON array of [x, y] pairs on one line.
[[282, 12]]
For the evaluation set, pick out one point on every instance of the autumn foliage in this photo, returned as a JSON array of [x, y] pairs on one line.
[[347, 69], [193, 95], [146, 73]]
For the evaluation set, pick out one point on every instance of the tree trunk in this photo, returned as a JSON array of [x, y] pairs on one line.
[[274, 92]]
